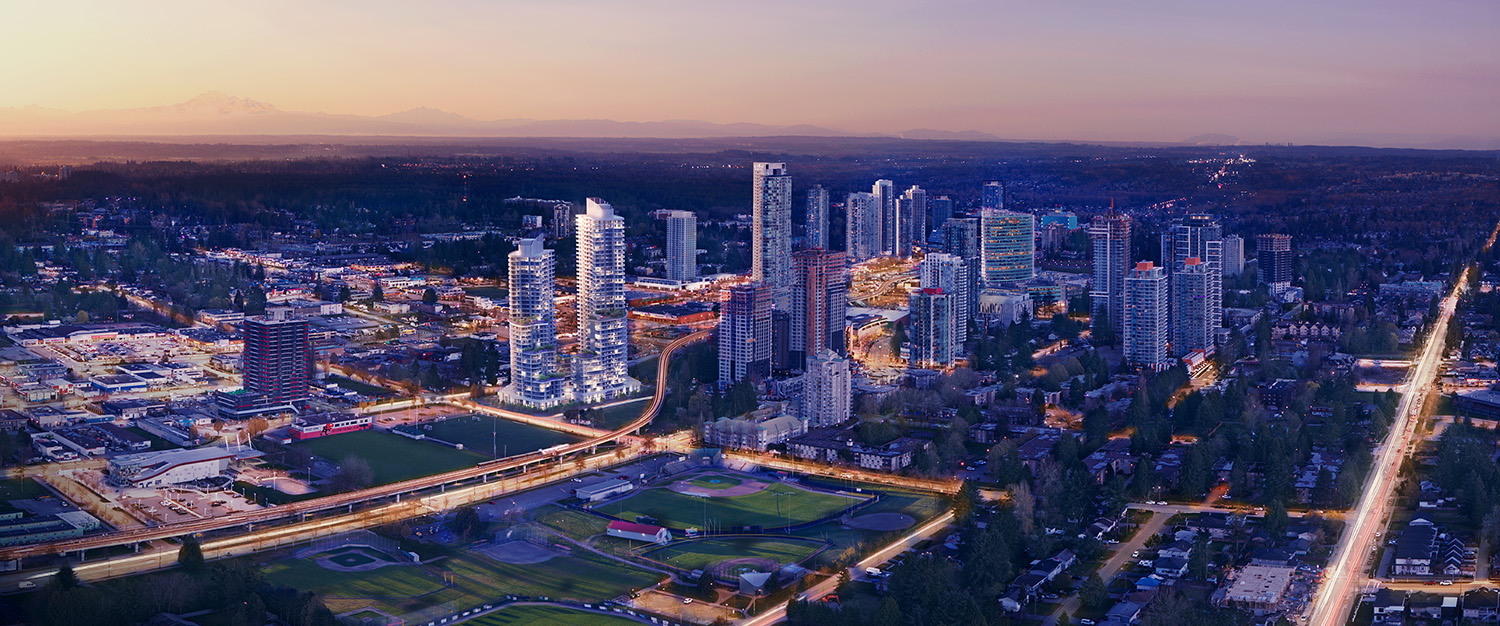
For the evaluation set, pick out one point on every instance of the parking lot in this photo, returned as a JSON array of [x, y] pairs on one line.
[[171, 506]]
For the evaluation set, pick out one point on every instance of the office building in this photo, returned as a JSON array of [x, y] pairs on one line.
[[682, 246], [992, 196], [534, 377], [885, 199], [1234, 255], [771, 260], [818, 305], [1273, 257], [817, 217], [744, 332], [1198, 236], [939, 211], [600, 367], [1110, 236], [862, 232], [911, 212], [276, 366], [1193, 322], [1066, 219], [827, 390], [1007, 246], [1146, 317], [950, 274], [931, 329]]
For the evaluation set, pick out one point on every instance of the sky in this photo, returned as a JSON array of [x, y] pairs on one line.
[[1141, 70]]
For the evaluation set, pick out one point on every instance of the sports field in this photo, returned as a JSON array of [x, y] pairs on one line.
[[485, 433], [702, 553], [533, 615], [572, 523], [762, 508], [477, 579], [392, 457], [585, 577], [714, 481]]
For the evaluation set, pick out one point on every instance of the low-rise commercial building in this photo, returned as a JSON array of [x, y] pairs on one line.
[[169, 467]]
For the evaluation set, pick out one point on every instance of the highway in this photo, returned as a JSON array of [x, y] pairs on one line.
[[298, 509], [1346, 575]]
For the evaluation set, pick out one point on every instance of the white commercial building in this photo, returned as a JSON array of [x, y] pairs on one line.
[[169, 467], [826, 390], [1146, 317], [771, 260], [682, 246], [535, 379], [600, 367]]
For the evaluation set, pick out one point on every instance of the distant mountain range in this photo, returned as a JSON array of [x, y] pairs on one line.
[[220, 115], [214, 113]]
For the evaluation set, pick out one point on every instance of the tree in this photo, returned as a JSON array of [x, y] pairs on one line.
[[965, 501], [378, 295], [1276, 519], [256, 426], [190, 555], [354, 473], [1093, 594], [467, 523], [344, 294], [65, 578], [706, 586], [429, 296]]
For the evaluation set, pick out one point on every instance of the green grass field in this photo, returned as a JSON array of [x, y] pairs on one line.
[[585, 577], [757, 509], [714, 481], [702, 553], [21, 489], [532, 615], [392, 457], [402, 589], [489, 433], [577, 525]]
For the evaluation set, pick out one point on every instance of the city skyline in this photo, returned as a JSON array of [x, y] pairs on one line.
[[1381, 74]]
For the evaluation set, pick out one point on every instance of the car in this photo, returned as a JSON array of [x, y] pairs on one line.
[[687, 600], [1446, 583], [1137, 553]]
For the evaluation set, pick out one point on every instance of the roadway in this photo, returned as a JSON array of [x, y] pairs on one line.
[[1346, 575], [523, 463]]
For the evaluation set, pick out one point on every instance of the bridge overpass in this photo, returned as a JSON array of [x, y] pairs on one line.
[[483, 472]]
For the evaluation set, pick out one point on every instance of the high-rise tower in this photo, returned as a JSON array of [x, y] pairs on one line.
[[950, 274], [1146, 317], [827, 390], [931, 321], [1110, 235], [1193, 325], [885, 198], [744, 332], [276, 366], [1008, 244], [817, 217], [818, 304], [600, 367], [1273, 257], [771, 260], [534, 377], [1199, 236], [862, 234], [911, 214], [682, 246]]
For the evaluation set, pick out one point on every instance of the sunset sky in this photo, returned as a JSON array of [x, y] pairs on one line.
[[1104, 70]]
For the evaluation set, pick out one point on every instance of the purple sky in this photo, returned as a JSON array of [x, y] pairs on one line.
[[1267, 71]]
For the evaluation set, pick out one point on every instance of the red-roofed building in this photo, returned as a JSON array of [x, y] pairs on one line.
[[639, 532]]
